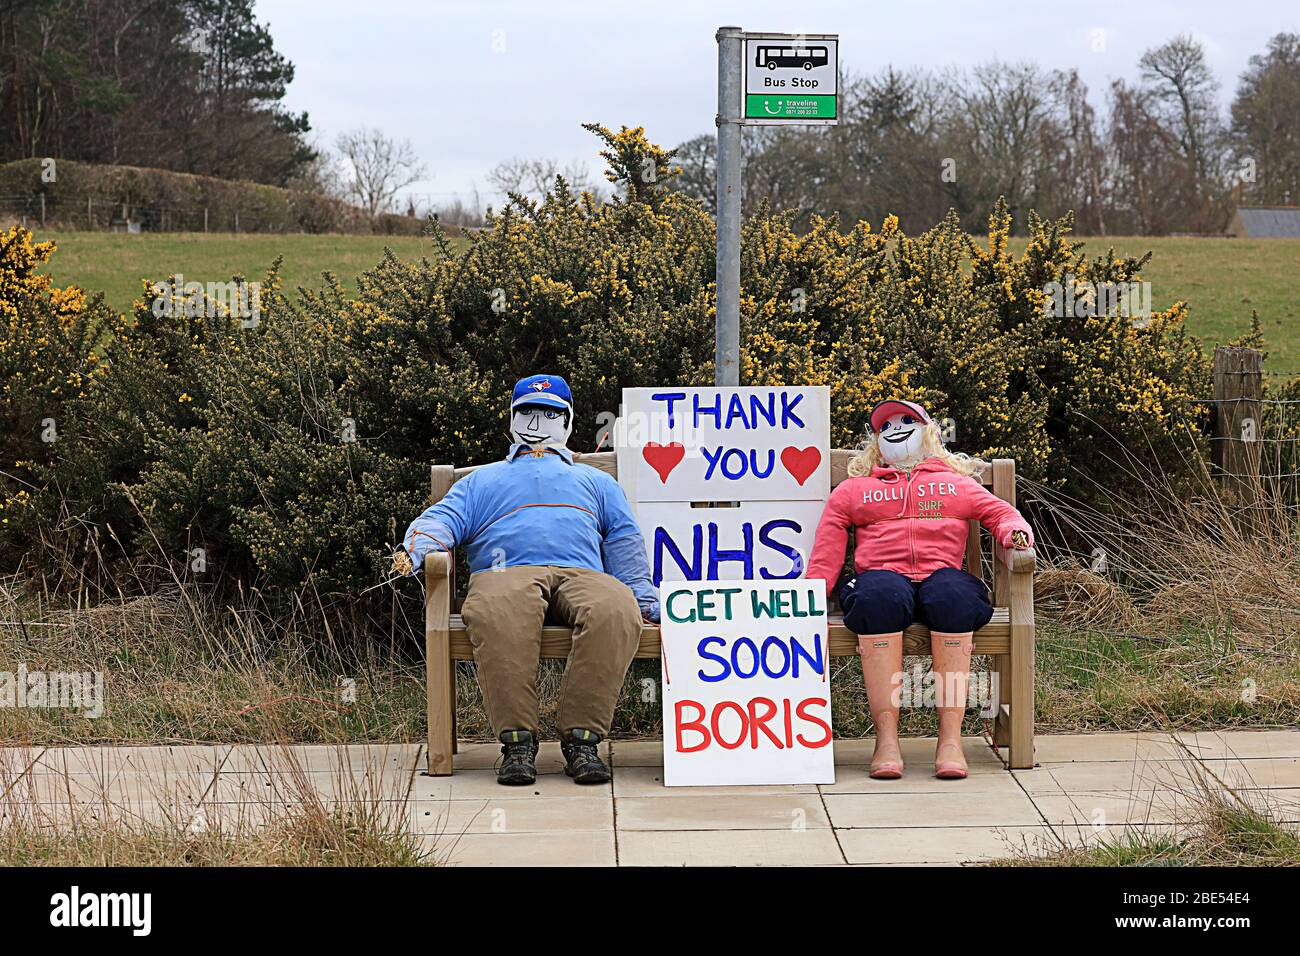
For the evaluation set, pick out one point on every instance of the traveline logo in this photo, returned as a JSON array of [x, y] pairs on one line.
[[75, 908]]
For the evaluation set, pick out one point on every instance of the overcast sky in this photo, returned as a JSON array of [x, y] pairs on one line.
[[473, 83]]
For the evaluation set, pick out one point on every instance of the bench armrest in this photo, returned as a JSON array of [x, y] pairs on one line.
[[1017, 562], [437, 564]]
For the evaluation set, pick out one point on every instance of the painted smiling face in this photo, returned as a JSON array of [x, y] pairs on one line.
[[540, 425], [901, 438]]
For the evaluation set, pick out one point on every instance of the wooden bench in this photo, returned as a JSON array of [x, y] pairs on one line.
[[1008, 638]]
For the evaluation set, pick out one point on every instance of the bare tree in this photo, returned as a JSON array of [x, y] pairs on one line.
[[378, 167], [536, 177], [1182, 83]]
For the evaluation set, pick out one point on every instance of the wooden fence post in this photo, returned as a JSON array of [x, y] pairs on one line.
[[1235, 448]]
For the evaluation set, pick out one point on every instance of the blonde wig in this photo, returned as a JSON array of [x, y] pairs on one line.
[[931, 447]]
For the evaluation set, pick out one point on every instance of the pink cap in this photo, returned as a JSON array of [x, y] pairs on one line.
[[896, 406]]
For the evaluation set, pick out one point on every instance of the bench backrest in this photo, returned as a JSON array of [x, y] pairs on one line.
[[1000, 479]]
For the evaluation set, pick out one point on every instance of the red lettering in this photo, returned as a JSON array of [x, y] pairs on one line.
[[758, 722], [696, 724], [717, 733], [801, 710]]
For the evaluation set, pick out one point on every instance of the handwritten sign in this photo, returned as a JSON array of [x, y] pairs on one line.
[[768, 443], [746, 691], [757, 540]]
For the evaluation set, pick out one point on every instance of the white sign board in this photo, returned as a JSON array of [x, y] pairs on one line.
[[746, 687], [752, 443], [759, 540], [791, 78]]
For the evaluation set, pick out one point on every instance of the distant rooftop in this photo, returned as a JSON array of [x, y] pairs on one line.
[[1267, 222]]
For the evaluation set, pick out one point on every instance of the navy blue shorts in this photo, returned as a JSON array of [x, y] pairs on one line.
[[950, 601]]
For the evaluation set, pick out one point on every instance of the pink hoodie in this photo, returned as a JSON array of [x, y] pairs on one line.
[[914, 524]]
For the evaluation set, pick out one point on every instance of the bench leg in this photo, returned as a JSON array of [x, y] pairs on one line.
[[1001, 707], [451, 698], [1021, 666], [439, 678]]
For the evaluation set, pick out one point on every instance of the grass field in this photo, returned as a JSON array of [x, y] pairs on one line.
[[1221, 279], [114, 263]]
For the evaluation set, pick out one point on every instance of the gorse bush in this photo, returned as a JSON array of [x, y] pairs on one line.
[[294, 451]]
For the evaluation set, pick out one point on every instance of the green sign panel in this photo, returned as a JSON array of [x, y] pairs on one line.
[[769, 106]]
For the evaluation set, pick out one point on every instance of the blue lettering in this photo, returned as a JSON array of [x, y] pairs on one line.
[[718, 556], [665, 542], [726, 668], [712, 460], [736, 409], [785, 653], [818, 663], [796, 559], [730, 473], [756, 409], [753, 463], [787, 410], [753, 654], [670, 398], [715, 411]]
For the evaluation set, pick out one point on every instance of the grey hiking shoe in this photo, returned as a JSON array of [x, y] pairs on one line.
[[582, 759], [518, 766]]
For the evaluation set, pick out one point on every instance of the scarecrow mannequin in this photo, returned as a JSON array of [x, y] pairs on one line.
[[908, 500], [545, 535]]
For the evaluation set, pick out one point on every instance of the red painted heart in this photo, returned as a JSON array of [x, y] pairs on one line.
[[801, 462], [664, 458]]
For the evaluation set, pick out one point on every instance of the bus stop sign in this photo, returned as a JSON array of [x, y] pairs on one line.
[[791, 78]]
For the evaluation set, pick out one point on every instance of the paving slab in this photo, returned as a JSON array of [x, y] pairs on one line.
[[482, 784], [589, 848], [649, 782], [637, 753], [921, 779], [1104, 809], [1241, 743], [511, 816], [1101, 776], [1091, 748], [956, 808], [1081, 837], [735, 811], [251, 758], [814, 846], [96, 760], [1257, 772], [120, 787], [943, 844]]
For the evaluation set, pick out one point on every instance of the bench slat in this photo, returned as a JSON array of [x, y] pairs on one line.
[[994, 638]]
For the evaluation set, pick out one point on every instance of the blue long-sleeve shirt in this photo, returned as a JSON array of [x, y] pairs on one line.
[[533, 509]]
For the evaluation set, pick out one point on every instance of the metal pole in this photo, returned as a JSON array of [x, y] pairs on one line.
[[731, 45]]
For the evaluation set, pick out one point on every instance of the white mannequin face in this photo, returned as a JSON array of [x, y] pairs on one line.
[[540, 425], [901, 437]]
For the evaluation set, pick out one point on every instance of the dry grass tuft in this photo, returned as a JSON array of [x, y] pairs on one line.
[[282, 814]]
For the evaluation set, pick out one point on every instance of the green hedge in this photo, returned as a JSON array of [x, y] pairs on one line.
[[168, 201]]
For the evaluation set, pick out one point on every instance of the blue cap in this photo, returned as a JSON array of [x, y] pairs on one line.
[[542, 390]]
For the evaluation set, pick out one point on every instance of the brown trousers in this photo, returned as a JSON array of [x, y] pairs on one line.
[[504, 613]]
